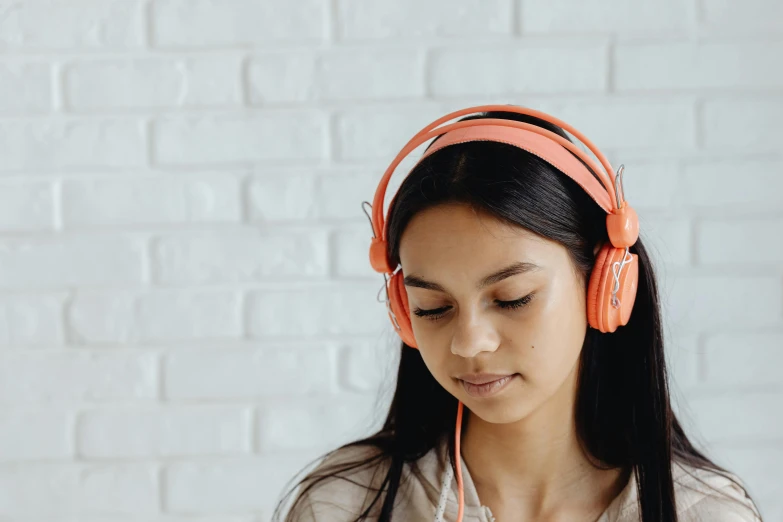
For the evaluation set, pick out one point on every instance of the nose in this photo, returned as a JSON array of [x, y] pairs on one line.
[[473, 333]]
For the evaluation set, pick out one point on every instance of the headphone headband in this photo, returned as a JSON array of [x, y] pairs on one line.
[[622, 223], [546, 147]]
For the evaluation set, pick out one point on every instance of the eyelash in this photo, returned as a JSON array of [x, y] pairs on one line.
[[437, 313]]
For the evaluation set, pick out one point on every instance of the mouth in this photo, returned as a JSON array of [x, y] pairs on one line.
[[484, 387]]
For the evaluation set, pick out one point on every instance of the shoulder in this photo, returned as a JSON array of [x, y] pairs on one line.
[[342, 486], [706, 495]]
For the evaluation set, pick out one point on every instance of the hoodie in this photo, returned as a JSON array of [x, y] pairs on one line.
[[428, 492]]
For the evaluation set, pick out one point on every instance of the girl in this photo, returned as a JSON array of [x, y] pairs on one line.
[[526, 389]]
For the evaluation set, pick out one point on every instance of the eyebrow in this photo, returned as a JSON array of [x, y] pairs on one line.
[[511, 270]]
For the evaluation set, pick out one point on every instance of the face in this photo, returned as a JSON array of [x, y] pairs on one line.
[[529, 326]]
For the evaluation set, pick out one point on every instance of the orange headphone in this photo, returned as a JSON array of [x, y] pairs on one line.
[[614, 277]]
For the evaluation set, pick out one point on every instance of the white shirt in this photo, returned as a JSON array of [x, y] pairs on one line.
[[431, 483]]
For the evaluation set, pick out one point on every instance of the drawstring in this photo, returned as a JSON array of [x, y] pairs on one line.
[[444, 494], [446, 486]]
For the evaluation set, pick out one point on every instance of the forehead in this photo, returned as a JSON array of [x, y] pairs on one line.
[[453, 234]]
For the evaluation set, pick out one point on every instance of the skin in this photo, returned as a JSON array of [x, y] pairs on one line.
[[520, 445]]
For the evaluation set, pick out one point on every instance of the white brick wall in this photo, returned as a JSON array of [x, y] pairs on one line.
[[187, 314]]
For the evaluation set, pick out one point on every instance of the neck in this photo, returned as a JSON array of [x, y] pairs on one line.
[[536, 466]]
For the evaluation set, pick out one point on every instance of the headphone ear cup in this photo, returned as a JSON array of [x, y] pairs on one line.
[[601, 315], [595, 287], [626, 293], [398, 302]]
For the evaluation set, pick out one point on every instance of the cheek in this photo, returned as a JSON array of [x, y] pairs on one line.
[[549, 362], [550, 342], [436, 362]]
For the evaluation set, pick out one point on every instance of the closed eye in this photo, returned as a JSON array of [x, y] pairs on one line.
[[438, 313]]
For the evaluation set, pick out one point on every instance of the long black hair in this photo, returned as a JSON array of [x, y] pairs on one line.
[[623, 412]]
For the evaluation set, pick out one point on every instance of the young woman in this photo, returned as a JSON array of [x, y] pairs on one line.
[[532, 384]]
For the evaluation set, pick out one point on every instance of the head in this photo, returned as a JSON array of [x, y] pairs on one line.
[[468, 211], [529, 322]]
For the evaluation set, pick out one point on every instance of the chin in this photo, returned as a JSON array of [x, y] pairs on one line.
[[500, 414], [501, 410]]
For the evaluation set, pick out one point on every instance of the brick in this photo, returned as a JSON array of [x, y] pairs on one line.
[[738, 417], [55, 143], [669, 18], [351, 248], [356, 187], [365, 367], [743, 359], [24, 86], [284, 196], [298, 77], [683, 360], [710, 302], [35, 434], [164, 432], [373, 20], [229, 486], [147, 200], [87, 260], [713, 184], [331, 310], [82, 24], [379, 132], [240, 137], [746, 125], [187, 23], [26, 206], [290, 77], [77, 376], [240, 256], [756, 465], [153, 82], [165, 315], [668, 124], [243, 374], [743, 248], [320, 424], [755, 18], [31, 319], [497, 71], [697, 66], [71, 489], [651, 184], [294, 195], [668, 240]]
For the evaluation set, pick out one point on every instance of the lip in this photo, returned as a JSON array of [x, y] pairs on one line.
[[482, 378], [487, 389]]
